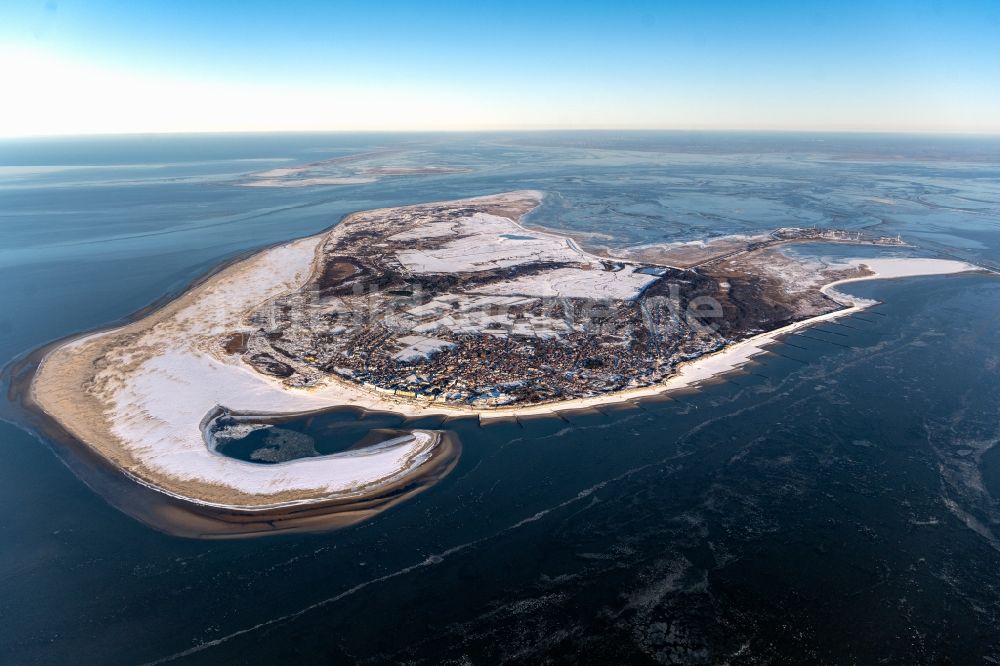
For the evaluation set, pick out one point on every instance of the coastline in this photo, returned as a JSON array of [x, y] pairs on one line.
[[181, 515], [67, 369], [733, 357], [104, 426]]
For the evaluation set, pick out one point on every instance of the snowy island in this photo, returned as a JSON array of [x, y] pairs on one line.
[[452, 308]]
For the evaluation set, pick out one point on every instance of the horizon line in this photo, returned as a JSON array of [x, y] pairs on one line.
[[515, 130]]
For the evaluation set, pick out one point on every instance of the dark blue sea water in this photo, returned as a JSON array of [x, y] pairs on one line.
[[838, 503]]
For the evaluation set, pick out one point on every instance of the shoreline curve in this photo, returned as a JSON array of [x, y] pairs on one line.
[[50, 379]]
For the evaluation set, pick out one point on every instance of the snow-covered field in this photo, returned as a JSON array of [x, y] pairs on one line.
[[483, 242], [624, 284], [418, 347]]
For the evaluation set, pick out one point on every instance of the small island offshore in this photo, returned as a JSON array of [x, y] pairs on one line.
[[452, 308]]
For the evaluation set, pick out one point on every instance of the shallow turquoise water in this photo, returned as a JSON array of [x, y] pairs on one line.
[[834, 504]]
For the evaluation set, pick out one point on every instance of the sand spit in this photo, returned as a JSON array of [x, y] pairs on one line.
[[134, 398], [356, 169], [309, 182], [137, 394], [179, 516]]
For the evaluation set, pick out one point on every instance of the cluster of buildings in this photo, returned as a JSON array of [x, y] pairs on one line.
[[831, 235], [444, 303], [499, 361]]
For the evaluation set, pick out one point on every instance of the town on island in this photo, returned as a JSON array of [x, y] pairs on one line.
[[459, 308]]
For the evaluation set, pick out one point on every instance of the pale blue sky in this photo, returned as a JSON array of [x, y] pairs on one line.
[[101, 66]]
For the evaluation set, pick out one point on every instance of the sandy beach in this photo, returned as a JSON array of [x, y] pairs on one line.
[[137, 394]]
